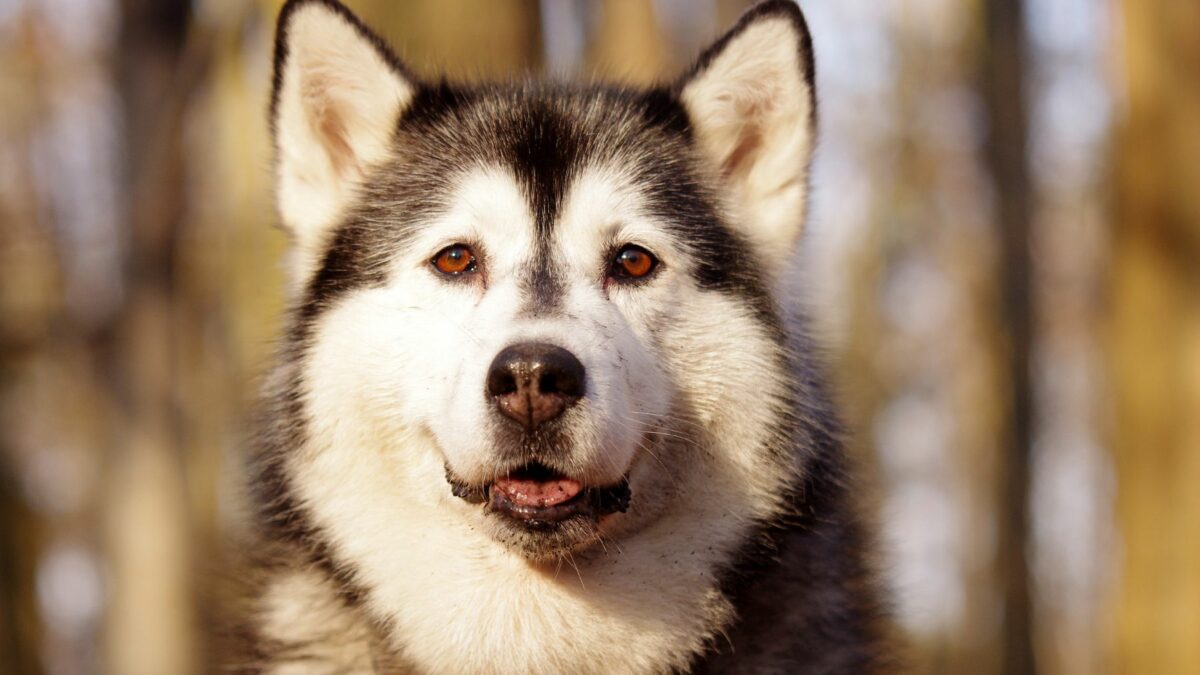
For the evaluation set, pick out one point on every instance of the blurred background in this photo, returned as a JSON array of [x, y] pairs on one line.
[[1004, 259]]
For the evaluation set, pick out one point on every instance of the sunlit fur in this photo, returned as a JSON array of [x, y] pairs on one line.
[[337, 98], [740, 551]]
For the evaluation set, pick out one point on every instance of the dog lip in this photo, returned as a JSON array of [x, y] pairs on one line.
[[472, 494], [594, 501], [502, 503], [534, 492]]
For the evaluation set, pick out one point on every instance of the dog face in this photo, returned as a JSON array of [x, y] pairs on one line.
[[533, 311]]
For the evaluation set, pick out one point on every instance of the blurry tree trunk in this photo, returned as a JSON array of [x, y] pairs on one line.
[[629, 46], [1002, 84], [151, 613], [460, 38], [19, 630], [1154, 333]]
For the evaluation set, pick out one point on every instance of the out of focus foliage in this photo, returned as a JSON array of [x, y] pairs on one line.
[[1003, 257]]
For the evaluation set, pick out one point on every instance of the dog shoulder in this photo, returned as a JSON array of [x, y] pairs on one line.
[[281, 614], [805, 589]]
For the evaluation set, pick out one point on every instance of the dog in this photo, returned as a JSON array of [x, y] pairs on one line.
[[542, 404]]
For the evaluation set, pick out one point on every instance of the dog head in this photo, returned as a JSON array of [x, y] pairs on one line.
[[539, 311]]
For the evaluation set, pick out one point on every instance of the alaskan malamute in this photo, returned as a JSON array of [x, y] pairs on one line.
[[541, 406]]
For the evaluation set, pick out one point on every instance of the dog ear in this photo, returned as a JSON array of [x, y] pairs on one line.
[[751, 102], [338, 94]]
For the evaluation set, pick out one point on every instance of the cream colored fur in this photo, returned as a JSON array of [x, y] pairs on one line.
[[643, 599], [302, 608], [338, 104], [683, 387], [752, 111]]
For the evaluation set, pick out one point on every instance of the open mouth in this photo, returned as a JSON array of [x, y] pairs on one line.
[[539, 497]]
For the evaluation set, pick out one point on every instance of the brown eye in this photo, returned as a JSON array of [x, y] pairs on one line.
[[454, 260], [633, 262]]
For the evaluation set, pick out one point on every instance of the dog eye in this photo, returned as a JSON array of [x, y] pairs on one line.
[[454, 260], [632, 262]]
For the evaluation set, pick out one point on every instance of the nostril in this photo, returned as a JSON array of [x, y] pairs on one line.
[[501, 381], [562, 382]]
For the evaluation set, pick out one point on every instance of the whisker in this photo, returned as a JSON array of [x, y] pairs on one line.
[[571, 559]]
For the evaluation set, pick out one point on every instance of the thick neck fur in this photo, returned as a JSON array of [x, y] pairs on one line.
[[370, 563], [452, 599], [448, 598]]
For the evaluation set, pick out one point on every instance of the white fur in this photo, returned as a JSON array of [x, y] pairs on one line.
[[301, 608], [338, 104], [752, 110], [385, 394], [684, 385]]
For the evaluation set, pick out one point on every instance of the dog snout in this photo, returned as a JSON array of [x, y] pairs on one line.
[[534, 382]]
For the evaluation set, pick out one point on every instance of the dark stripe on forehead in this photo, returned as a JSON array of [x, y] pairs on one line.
[[543, 134], [544, 148], [542, 289]]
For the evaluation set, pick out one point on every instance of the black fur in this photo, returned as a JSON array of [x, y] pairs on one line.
[[804, 592], [544, 133], [448, 128]]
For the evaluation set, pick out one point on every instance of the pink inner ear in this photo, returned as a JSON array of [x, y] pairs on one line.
[[741, 158], [330, 126], [749, 139], [333, 133]]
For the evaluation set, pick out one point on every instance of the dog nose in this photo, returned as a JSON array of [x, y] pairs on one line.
[[534, 382]]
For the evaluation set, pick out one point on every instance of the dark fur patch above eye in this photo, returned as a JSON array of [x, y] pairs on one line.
[[780, 585], [544, 134]]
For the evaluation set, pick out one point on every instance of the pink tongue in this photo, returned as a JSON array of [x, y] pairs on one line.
[[538, 494]]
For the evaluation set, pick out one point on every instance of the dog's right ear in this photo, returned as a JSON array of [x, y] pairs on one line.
[[338, 94]]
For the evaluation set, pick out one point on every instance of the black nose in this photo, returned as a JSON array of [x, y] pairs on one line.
[[534, 382]]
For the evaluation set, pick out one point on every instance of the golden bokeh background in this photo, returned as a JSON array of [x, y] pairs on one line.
[[1003, 259]]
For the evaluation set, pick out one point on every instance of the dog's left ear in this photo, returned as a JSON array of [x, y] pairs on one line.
[[751, 102], [338, 95]]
